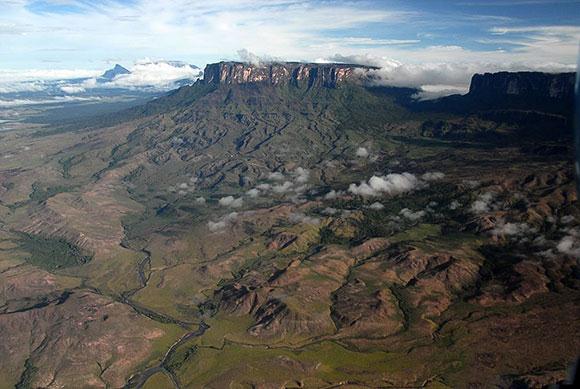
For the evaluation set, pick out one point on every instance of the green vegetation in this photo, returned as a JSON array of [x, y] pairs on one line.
[[26, 379], [417, 233], [181, 357], [52, 253], [40, 194], [158, 381], [328, 236], [68, 163], [289, 303]]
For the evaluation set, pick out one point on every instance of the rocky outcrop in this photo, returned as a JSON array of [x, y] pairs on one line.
[[310, 74], [529, 84], [282, 240], [506, 107], [361, 310]]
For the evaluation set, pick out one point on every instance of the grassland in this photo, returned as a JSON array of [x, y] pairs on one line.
[[298, 289]]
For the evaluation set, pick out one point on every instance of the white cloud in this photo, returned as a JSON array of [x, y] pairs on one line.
[[18, 87], [302, 218], [454, 205], [329, 211], [426, 75], [424, 69], [512, 229], [362, 152], [301, 175], [333, 194], [413, 216], [216, 226], [276, 176], [249, 57], [253, 193], [200, 200], [483, 203], [51, 101], [231, 201], [157, 74], [431, 92], [283, 188], [12, 76], [433, 176], [569, 245], [376, 206], [264, 187], [71, 89], [391, 184], [223, 222]]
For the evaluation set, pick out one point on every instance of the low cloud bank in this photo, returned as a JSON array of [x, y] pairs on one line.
[[254, 59], [391, 184], [413, 216], [302, 218], [512, 229], [435, 79], [433, 176], [215, 226], [50, 101], [301, 175], [35, 76], [569, 244], [231, 201], [72, 89], [483, 203], [253, 193], [156, 74], [295, 182], [145, 74]]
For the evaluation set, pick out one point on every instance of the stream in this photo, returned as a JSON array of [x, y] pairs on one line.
[[139, 379]]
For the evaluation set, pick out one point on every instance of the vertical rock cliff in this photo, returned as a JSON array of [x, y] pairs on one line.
[[327, 75], [558, 86]]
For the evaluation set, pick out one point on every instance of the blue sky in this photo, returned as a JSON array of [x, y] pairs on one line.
[[88, 35]]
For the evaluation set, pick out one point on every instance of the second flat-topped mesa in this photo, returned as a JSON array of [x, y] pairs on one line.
[[558, 86], [311, 74]]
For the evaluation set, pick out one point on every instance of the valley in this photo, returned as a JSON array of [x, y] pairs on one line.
[[293, 226]]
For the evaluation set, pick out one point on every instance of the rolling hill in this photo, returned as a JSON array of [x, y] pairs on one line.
[[292, 225]]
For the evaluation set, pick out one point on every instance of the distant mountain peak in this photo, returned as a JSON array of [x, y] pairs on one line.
[[114, 72]]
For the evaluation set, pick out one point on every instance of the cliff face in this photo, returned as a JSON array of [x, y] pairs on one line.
[[327, 75], [524, 84], [530, 99]]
